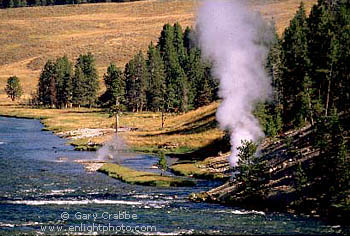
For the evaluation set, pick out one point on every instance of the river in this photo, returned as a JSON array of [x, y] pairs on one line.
[[39, 193]]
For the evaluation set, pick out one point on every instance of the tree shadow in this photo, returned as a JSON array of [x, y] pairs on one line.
[[210, 124], [220, 145]]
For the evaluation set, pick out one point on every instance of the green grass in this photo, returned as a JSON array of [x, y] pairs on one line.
[[131, 176]]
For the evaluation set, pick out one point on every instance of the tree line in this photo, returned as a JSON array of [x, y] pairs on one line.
[[32, 3], [172, 77]]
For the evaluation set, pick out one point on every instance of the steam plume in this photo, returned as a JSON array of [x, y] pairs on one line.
[[112, 149], [232, 37]]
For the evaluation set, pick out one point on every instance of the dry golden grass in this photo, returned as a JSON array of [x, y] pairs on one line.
[[113, 32]]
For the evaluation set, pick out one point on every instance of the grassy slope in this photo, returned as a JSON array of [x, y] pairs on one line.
[[113, 32]]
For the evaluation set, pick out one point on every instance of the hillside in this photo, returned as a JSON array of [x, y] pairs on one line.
[[113, 32], [283, 154]]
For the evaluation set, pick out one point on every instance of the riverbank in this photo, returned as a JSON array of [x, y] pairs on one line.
[[190, 137], [183, 133]]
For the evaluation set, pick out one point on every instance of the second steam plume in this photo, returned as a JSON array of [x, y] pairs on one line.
[[232, 37]]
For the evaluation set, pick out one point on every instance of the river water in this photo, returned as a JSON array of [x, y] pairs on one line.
[[39, 193]]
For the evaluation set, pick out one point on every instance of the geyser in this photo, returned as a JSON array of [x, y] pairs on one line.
[[234, 39]]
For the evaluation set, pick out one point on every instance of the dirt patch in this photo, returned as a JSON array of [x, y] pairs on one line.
[[85, 133]]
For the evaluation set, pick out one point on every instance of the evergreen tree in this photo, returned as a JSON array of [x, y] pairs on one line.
[[273, 67], [187, 39], [341, 68], [91, 84], [300, 179], [130, 86], [156, 87], [331, 169], [115, 86], [79, 87], [166, 37], [319, 23], [204, 94], [136, 76], [176, 80], [47, 85], [9, 4], [64, 86], [16, 3], [251, 169], [13, 88], [196, 75], [179, 44], [295, 67], [162, 163]]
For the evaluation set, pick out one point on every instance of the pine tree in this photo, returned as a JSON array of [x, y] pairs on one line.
[[300, 179], [141, 74], [47, 85], [273, 67], [79, 87], [166, 37], [342, 79], [319, 23], [187, 39], [156, 87], [162, 163], [130, 86], [196, 74], [179, 44], [115, 86], [295, 67], [13, 88], [136, 78], [10, 4], [88, 67], [16, 3], [176, 80], [251, 169], [204, 94], [331, 167], [53, 92], [64, 86]]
